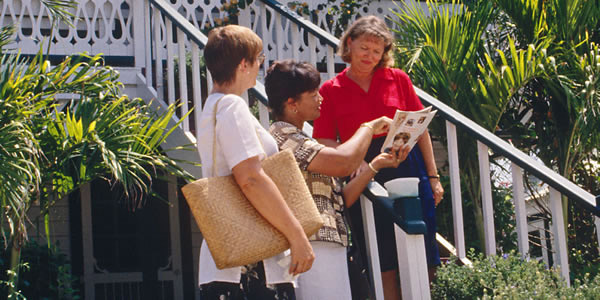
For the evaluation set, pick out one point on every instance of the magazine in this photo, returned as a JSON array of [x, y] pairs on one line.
[[407, 127]]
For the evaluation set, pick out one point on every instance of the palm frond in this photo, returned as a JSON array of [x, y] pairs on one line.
[[6, 34], [60, 10]]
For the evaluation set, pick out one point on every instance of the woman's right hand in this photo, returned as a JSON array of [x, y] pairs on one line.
[[302, 255], [380, 125]]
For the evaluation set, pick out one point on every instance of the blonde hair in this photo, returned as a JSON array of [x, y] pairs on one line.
[[368, 26], [225, 49]]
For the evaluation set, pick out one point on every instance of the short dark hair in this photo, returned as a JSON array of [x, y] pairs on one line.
[[225, 49], [368, 26], [288, 79]]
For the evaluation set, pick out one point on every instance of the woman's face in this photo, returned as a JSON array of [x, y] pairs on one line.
[[309, 105], [366, 52], [254, 66]]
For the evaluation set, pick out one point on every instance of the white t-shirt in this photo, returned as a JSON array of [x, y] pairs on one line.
[[238, 133]]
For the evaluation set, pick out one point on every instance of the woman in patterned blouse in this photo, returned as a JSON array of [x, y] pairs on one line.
[[293, 92]]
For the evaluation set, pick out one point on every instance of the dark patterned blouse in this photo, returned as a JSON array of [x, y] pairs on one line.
[[326, 190]]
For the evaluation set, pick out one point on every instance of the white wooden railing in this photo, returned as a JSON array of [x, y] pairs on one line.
[[520, 161], [285, 36], [98, 27], [108, 26], [163, 23]]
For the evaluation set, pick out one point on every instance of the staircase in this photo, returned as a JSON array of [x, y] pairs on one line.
[[156, 34]]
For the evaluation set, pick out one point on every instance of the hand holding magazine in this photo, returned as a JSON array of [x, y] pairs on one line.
[[407, 127]]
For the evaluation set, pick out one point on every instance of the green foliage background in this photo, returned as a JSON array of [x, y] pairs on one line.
[[528, 71]]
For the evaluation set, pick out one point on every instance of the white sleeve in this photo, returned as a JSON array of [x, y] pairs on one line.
[[236, 132]]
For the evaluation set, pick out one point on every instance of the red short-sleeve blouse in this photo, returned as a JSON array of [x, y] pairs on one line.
[[345, 105]]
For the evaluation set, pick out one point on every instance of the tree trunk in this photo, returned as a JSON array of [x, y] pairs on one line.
[[13, 276]]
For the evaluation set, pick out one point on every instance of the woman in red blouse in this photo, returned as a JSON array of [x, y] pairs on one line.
[[367, 89]]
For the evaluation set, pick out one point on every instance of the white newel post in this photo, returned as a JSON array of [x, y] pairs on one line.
[[410, 248], [412, 265]]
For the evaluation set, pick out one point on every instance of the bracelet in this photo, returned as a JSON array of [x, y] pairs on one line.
[[368, 126], [373, 168], [434, 176]]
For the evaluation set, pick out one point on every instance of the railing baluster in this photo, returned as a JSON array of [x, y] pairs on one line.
[[312, 48], [371, 245], [520, 210], [196, 87], [560, 239], [263, 115], [158, 52], [295, 41], [183, 88], [265, 36], [148, 35], [486, 199], [279, 35], [330, 62], [176, 263], [139, 32], [209, 83], [170, 63], [457, 213], [244, 17]]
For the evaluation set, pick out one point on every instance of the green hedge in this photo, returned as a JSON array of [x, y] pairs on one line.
[[508, 277]]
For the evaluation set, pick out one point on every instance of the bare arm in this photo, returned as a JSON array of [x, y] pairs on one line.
[[426, 148], [344, 159], [266, 198], [355, 187], [329, 142]]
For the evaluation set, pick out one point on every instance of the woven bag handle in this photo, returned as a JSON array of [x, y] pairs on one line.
[[214, 154]]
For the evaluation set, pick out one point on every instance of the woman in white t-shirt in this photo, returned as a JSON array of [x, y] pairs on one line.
[[233, 57]]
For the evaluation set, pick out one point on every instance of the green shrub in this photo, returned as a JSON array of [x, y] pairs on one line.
[[44, 273], [508, 277]]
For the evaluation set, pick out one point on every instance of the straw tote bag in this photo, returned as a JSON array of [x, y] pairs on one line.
[[234, 231]]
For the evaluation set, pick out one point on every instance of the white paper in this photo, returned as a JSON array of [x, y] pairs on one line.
[[407, 127], [285, 264]]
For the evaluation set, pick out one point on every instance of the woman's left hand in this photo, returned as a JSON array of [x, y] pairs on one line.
[[437, 189], [392, 159]]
